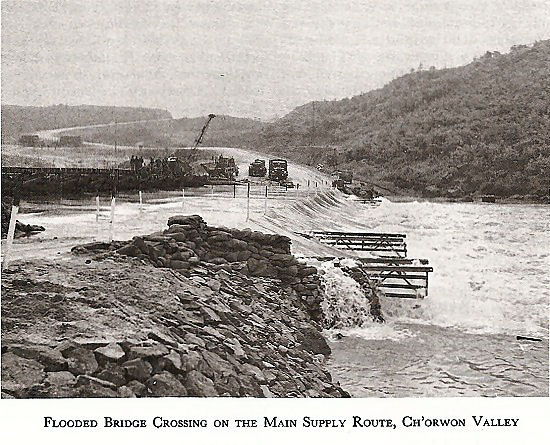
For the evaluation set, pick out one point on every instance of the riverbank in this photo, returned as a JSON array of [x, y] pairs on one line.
[[190, 311]]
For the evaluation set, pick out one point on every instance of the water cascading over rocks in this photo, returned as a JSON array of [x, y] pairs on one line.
[[351, 299]]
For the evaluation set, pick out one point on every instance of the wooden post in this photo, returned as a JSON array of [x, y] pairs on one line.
[[308, 183], [11, 233], [112, 220], [212, 189], [140, 202], [265, 201], [97, 208], [248, 202], [234, 190], [183, 198], [426, 284]]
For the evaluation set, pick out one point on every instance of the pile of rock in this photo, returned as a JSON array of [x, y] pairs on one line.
[[210, 333], [188, 242]]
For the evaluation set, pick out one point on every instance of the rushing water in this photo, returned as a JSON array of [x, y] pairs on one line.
[[490, 281], [490, 284]]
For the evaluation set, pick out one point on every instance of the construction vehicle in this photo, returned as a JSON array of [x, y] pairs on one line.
[[257, 168], [221, 168], [278, 170]]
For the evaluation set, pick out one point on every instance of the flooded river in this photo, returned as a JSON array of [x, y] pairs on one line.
[[490, 280]]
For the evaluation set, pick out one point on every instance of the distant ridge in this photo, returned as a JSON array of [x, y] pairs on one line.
[[18, 119], [223, 130]]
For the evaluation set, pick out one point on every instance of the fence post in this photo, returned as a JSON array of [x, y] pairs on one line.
[[234, 190], [11, 232], [248, 202], [97, 208], [183, 198], [212, 190], [140, 202], [265, 201], [112, 220], [426, 284]]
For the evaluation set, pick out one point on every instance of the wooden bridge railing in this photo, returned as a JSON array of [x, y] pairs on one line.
[[402, 281], [396, 277], [365, 241], [58, 170]]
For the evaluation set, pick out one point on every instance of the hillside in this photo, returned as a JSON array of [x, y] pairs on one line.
[[17, 120], [223, 130], [479, 128]]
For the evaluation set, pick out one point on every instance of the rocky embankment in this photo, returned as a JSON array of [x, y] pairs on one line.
[[190, 311]]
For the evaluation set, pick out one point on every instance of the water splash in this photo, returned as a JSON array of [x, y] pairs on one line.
[[347, 309]]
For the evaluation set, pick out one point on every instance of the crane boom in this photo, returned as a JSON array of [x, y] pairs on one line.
[[201, 135]]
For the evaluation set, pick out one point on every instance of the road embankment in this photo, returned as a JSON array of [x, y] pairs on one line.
[[189, 311]]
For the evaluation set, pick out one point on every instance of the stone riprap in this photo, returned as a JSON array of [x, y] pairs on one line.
[[188, 241], [190, 311]]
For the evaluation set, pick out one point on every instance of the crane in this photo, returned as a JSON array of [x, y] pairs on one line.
[[192, 155], [203, 130]]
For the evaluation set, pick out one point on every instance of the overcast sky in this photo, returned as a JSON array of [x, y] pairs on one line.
[[244, 58]]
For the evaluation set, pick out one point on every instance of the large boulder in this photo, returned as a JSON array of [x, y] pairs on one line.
[[312, 340], [20, 374], [165, 385], [198, 385], [81, 361]]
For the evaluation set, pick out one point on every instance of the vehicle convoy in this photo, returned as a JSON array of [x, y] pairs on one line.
[[257, 169], [278, 170]]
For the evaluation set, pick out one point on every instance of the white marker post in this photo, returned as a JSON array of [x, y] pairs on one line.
[[182, 198], [97, 208], [248, 203], [112, 220], [140, 202], [11, 233]]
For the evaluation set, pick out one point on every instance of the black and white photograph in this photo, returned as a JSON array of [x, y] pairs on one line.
[[284, 199]]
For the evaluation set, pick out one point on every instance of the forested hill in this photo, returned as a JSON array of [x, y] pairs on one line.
[[17, 120], [479, 128]]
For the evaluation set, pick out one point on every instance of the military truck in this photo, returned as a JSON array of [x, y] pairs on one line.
[[257, 168], [278, 170]]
